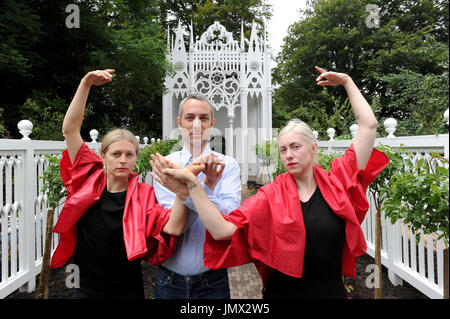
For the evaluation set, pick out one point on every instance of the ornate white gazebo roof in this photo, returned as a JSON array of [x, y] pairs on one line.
[[233, 75]]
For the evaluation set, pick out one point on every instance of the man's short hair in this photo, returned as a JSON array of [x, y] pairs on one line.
[[195, 96]]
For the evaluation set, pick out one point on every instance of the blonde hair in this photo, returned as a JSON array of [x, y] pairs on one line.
[[296, 125], [117, 135]]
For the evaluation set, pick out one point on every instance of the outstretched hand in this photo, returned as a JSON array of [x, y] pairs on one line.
[[331, 78], [159, 164], [173, 176], [98, 77]]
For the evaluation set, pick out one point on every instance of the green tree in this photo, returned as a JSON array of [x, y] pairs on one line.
[[418, 101], [334, 34], [137, 53], [420, 195], [53, 187], [164, 147], [203, 13], [42, 57]]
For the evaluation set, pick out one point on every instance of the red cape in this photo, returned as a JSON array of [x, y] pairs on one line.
[[143, 218], [271, 232]]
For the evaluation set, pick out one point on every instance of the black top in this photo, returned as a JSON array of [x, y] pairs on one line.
[[325, 235], [100, 250]]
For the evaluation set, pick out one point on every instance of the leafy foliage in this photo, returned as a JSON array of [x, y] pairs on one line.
[[203, 13], [412, 36], [381, 187], [420, 196], [43, 60], [52, 182], [326, 157], [164, 147]]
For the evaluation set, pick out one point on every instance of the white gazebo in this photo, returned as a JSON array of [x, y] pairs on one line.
[[236, 77]]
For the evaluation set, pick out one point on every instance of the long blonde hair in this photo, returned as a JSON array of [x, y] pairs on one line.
[[116, 135], [304, 130]]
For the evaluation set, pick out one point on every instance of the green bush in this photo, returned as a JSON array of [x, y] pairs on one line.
[[52, 182], [164, 147], [420, 196]]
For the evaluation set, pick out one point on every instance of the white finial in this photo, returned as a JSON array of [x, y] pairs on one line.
[[446, 116], [94, 135], [25, 127], [316, 134], [146, 140], [138, 138], [354, 129], [330, 132], [390, 125], [158, 140], [152, 140]]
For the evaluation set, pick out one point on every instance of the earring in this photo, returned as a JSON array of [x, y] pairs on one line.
[[104, 168]]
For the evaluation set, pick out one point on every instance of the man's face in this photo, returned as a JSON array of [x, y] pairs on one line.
[[196, 123]]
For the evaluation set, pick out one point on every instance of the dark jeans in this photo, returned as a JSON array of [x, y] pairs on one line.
[[212, 284], [127, 290]]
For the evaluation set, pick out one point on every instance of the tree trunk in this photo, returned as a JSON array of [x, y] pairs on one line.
[[44, 278], [446, 273], [378, 281]]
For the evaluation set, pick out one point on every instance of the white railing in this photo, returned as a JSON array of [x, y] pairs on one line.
[[23, 208], [420, 264]]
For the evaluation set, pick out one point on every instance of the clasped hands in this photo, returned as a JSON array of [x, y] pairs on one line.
[[177, 178]]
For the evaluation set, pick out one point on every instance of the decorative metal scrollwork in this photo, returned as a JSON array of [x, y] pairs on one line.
[[221, 87], [254, 66], [178, 66]]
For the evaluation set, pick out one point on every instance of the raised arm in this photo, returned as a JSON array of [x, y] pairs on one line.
[[75, 113], [365, 138]]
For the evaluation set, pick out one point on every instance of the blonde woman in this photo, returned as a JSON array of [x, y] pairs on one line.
[[110, 221], [303, 230]]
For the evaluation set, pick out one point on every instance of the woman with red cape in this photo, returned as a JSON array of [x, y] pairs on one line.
[[110, 221]]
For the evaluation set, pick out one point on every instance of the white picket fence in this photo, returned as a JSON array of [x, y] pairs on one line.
[[23, 209], [421, 265]]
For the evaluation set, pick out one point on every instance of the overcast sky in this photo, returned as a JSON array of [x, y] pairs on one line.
[[285, 12]]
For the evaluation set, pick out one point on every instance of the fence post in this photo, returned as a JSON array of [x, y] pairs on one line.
[[391, 253], [331, 132], [446, 152], [94, 135], [390, 125], [28, 199], [354, 130]]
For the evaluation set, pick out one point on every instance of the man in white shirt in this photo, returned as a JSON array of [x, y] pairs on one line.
[[184, 276]]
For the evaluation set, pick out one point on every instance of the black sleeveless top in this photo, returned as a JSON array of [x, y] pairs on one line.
[[325, 235], [100, 250]]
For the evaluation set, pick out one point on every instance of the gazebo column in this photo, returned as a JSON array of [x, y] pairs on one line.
[[265, 131], [168, 120], [229, 134], [269, 112], [244, 137]]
